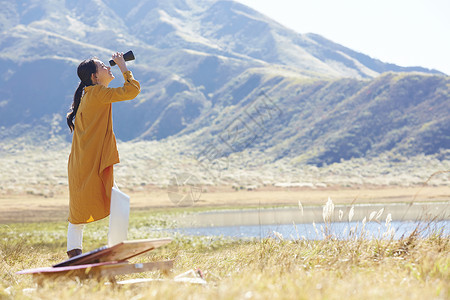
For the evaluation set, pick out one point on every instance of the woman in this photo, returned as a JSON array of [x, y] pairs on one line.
[[94, 149]]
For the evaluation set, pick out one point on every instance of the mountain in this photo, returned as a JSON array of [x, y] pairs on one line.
[[209, 69]]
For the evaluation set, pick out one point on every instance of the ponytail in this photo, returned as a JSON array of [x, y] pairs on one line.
[[85, 70], [75, 105]]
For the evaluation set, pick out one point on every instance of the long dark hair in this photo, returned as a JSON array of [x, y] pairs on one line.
[[84, 71]]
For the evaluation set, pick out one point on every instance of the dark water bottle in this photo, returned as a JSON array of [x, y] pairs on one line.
[[127, 56]]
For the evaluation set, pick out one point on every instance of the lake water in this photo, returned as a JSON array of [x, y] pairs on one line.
[[341, 230]]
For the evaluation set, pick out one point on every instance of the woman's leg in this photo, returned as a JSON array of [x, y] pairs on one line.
[[74, 239]]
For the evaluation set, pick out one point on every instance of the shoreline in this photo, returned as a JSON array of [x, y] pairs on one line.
[[309, 214], [35, 208]]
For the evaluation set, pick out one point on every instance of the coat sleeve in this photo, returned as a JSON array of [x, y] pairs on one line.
[[130, 89]]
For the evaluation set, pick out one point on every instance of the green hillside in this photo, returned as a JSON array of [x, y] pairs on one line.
[[218, 77], [325, 121]]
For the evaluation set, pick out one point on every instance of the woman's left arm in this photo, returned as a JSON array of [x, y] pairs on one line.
[[130, 88]]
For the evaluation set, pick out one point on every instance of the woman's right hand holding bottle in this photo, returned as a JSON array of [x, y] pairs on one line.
[[120, 61]]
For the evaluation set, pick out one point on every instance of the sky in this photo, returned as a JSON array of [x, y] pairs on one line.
[[403, 32]]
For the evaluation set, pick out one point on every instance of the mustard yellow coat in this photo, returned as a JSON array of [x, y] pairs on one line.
[[94, 151]]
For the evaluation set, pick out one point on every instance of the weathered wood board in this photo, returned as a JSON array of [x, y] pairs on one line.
[[119, 252], [99, 270], [107, 261]]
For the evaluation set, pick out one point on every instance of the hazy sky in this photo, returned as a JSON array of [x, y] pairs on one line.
[[403, 32]]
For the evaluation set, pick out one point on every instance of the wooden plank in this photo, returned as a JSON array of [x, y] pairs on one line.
[[119, 252], [63, 270], [99, 270], [112, 270], [106, 261]]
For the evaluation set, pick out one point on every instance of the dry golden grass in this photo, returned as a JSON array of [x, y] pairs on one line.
[[42, 170], [411, 268]]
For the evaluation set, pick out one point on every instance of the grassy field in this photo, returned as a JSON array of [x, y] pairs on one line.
[[34, 206], [272, 268], [40, 170]]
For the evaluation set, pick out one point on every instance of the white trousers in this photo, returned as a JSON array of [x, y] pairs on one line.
[[75, 236]]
